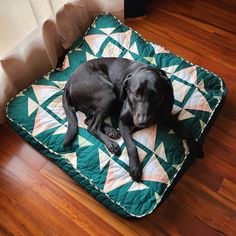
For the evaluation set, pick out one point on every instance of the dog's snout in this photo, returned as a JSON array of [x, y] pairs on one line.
[[141, 119]]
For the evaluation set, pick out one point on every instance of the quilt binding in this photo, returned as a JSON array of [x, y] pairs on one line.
[[223, 91]]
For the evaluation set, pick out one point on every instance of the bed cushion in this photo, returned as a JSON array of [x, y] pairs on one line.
[[37, 115]]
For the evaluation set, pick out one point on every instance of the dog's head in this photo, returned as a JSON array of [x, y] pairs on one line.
[[146, 90]]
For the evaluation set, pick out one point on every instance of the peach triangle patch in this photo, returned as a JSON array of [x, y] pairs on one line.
[[160, 151], [184, 115], [198, 102], [116, 177], [147, 136]]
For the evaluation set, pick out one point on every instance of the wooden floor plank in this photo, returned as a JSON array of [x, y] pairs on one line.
[[228, 190]]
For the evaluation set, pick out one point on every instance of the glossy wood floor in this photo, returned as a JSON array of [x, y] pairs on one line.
[[37, 198]]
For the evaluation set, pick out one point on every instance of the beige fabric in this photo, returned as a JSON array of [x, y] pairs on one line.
[[39, 51]]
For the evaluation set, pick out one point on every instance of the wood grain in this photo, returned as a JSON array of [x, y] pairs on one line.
[[37, 198]]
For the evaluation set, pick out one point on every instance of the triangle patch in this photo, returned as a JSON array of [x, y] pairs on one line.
[[123, 38], [188, 74], [43, 122], [107, 31], [111, 50], [153, 171], [32, 106], [197, 102], [95, 41], [147, 137], [43, 92], [180, 90], [84, 142], [56, 107], [116, 177], [90, 56], [103, 158], [72, 158], [184, 115], [137, 187], [160, 151]]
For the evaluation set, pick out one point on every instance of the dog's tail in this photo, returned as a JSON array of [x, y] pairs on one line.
[[71, 118]]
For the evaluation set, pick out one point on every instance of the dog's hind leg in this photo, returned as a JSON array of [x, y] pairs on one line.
[[95, 127], [110, 131]]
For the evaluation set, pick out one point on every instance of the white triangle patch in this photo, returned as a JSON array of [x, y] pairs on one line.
[[32, 106], [60, 84], [103, 158], [43, 122], [123, 38], [171, 131], [134, 48], [203, 124], [137, 187], [90, 56], [153, 171], [159, 49], [128, 56], [152, 60], [107, 30], [72, 158], [56, 107], [43, 92], [111, 50], [170, 69], [95, 41], [188, 74], [180, 90], [84, 142], [61, 130]]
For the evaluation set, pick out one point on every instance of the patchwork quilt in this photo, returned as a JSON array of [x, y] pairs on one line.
[[38, 116]]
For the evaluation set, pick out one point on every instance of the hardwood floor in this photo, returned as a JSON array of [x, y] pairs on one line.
[[37, 198]]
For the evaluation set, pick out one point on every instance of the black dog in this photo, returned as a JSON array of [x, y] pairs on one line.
[[141, 94]]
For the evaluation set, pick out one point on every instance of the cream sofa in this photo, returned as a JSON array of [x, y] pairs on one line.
[[39, 52]]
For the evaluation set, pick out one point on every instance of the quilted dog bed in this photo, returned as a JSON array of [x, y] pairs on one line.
[[37, 115]]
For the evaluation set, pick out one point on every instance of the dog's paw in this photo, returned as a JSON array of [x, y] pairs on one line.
[[135, 172], [112, 132], [114, 147], [196, 150]]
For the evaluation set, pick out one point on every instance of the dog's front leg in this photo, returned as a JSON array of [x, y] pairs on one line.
[[179, 128], [134, 163]]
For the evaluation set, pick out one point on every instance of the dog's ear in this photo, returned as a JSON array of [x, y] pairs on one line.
[[124, 88]]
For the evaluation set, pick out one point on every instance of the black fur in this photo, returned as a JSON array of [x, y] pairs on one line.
[[140, 94]]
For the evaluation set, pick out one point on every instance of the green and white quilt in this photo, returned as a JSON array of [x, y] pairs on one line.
[[38, 116]]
